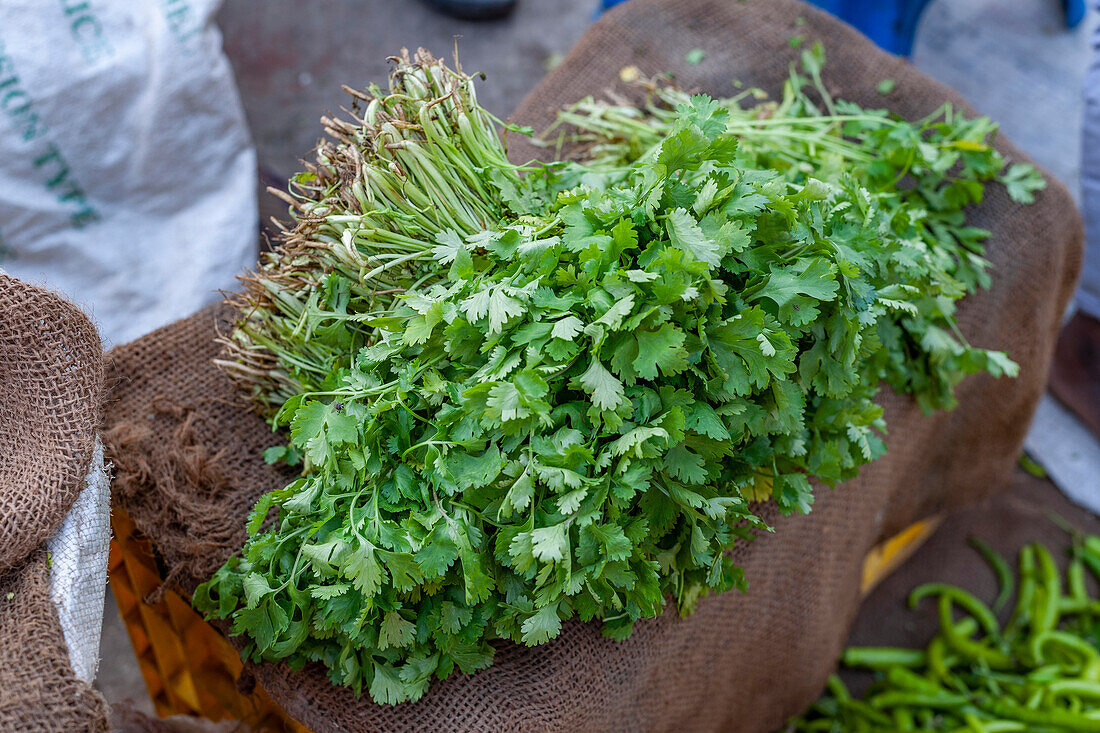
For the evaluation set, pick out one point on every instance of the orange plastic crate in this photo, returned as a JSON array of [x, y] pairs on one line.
[[188, 666], [190, 669]]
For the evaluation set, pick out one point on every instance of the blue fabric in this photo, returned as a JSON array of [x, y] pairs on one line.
[[889, 23], [892, 24], [1075, 12]]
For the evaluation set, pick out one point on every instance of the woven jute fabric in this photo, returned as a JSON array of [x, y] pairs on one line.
[[51, 378], [186, 449]]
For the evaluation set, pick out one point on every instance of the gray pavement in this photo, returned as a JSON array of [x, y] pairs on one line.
[[1016, 62], [1011, 58], [291, 58]]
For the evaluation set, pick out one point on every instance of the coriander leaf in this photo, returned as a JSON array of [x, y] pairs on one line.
[[256, 588], [661, 349], [704, 420], [274, 454], [361, 567], [501, 308], [436, 557], [476, 306], [448, 245], [616, 545], [387, 687], [395, 631], [550, 544], [613, 316], [686, 236], [817, 279], [706, 113], [264, 623], [567, 328], [1022, 181], [605, 389], [681, 463], [542, 626], [474, 472]]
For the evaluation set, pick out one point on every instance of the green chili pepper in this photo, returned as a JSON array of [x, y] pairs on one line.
[[1050, 718], [1073, 606], [873, 657], [894, 698], [865, 710], [1041, 676], [937, 659], [981, 613], [903, 719], [1005, 581], [991, 726], [907, 680], [1079, 688], [1065, 641], [1027, 589], [1091, 561], [967, 648], [838, 688], [1075, 580], [1047, 614]]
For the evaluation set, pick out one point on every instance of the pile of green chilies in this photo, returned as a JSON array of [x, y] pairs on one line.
[[1038, 672]]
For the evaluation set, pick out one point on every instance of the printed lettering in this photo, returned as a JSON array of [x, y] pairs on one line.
[[53, 154], [83, 217], [17, 104], [10, 102], [179, 19], [87, 30]]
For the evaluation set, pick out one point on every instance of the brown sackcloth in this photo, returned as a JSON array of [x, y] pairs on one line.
[[51, 378], [187, 461]]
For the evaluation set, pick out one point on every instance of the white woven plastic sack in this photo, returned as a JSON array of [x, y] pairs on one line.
[[78, 568], [127, 175]]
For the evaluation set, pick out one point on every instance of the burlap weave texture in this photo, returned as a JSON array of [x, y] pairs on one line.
[[51, 379]]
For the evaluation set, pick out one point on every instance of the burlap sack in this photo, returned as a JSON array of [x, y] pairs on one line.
[[51, 379], [186, 448]]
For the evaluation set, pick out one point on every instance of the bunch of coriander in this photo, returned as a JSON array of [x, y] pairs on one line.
[[519, 399]]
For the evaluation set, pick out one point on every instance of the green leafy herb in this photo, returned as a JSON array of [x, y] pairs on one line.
[[519, 400]]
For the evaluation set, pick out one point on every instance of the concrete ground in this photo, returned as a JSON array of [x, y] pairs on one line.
[[1016, 62], [290, 63], [1011, 58]]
